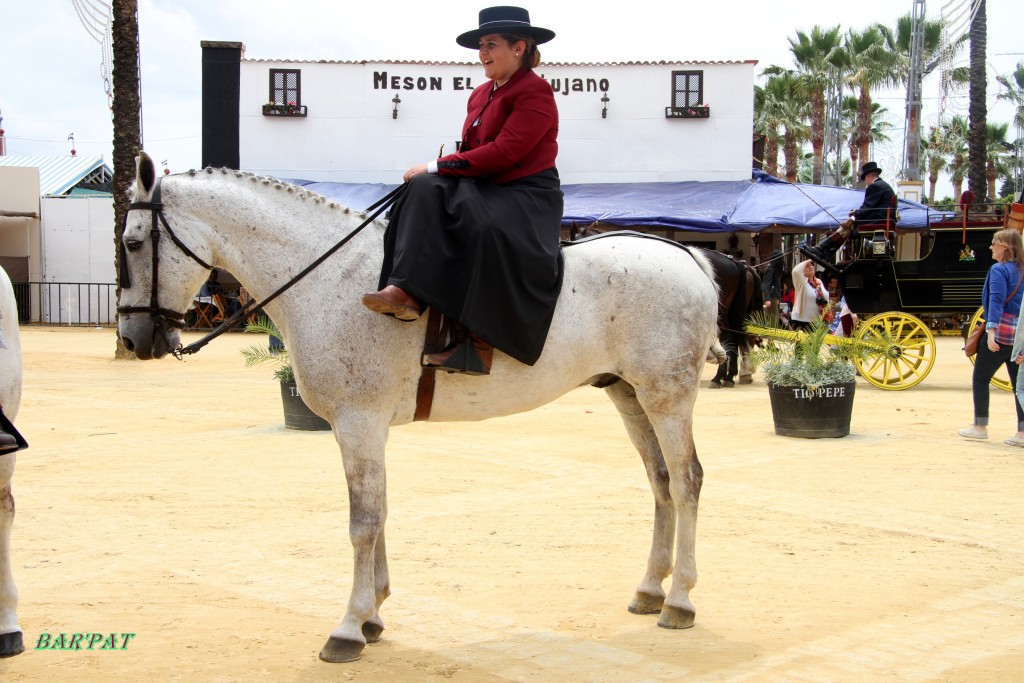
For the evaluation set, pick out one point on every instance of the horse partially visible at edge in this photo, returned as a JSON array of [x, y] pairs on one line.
[[11, 641], [739, 296], [636, 317]]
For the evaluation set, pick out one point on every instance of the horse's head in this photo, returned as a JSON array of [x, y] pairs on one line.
[[159, 272]]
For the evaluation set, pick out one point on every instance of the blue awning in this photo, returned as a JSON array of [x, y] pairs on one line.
[[716, 206]]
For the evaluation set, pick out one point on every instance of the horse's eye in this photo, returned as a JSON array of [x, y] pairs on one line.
[[133, 245]]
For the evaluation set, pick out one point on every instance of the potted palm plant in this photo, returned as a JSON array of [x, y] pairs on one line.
[[811, 377], [297, 414]]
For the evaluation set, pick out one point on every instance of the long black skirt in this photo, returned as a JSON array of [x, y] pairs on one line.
[[485, 255]]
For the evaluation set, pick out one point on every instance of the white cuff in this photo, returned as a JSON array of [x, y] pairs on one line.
[[432, 166]]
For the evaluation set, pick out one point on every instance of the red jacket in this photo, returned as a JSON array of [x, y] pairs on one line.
[[517, 135]]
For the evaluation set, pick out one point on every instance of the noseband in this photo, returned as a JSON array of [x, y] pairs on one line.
[[162, 317]]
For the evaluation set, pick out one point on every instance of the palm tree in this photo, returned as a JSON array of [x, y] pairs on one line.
[[954, 137], [998, 154], [780, 107], [1014, 85], [872, 63], [934, 158], [792, 110], [850, 132], [977, 174], [127, 129], [878, 129], [766, 123], [819, 57]]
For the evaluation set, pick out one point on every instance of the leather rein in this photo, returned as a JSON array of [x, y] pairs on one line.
[[164, 317]]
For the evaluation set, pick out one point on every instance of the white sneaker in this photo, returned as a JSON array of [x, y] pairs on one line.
[[1014, 441], [973, 432]]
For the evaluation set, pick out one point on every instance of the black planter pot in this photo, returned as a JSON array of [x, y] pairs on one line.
[[297, 414], [812, 414]]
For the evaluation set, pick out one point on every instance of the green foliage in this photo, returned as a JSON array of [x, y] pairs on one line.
[[810, 360], [264, 355]]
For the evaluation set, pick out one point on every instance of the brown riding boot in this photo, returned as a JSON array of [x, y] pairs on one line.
[[393, 301], [470, 357]]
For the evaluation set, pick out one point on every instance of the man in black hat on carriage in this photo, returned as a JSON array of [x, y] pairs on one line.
[[879, 200]]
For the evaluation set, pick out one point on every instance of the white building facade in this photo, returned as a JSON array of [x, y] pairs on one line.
[[367, 122]]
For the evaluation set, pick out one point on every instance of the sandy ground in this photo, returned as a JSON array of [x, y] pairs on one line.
[[166, 499]]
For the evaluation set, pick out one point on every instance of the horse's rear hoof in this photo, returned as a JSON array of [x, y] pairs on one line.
[[746, 379], [645, 603], [714, 384], [676, 617], [372, 631], [337, 650], [11, 644]]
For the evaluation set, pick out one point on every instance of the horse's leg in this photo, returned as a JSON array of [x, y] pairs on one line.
[[747, 366], [649, 596], [11, 642], [373, 627], [363, 456], [729, 376], [716, 381], [671, 415]]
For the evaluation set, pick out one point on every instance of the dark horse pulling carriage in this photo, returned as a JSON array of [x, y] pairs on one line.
[[739, 296], [943, 286]]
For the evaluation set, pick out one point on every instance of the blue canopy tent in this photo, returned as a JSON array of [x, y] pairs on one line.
[[712, 207]]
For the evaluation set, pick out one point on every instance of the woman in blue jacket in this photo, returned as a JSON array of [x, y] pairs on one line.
[[1001, 299]]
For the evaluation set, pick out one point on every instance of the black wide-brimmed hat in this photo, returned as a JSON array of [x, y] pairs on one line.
[[515, 20], [870, 167]]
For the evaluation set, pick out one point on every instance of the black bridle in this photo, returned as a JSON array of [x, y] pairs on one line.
[[163, 317]]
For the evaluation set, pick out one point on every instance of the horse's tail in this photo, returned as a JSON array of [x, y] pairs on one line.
[[705, 265], [756, 303], [757, 296], [738, 308]]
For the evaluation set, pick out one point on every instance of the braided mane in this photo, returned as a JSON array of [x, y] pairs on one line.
[[295, 191]]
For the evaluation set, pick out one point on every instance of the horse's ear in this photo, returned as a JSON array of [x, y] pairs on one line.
[[145, 177]]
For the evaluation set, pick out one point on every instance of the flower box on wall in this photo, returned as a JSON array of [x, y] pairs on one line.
[[697, 112], [283, 110]]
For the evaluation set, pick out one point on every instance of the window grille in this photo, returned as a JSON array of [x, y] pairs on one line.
[[688, 96]]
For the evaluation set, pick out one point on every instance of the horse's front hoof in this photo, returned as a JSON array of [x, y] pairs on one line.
[[11, 644], [714, 384], [372, 631], [746, 379], [728, 384], [645, 603], [337, 650], [676, 617]]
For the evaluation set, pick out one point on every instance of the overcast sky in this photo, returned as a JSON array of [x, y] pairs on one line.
[[50, 65]]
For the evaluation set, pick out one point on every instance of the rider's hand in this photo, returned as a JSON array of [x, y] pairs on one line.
[[414, 171]]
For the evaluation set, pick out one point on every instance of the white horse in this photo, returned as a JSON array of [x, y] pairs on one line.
[[10, 399], [635, 315]]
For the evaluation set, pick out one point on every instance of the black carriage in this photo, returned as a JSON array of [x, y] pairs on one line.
[[901, 300]]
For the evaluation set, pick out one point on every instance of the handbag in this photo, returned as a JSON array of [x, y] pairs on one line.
[[974, 339], [976, 335]]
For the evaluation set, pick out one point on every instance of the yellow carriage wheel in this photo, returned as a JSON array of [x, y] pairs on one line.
[[905, 350], [1000, 379]]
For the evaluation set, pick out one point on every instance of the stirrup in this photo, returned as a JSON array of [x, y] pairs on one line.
[[469, 357]]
